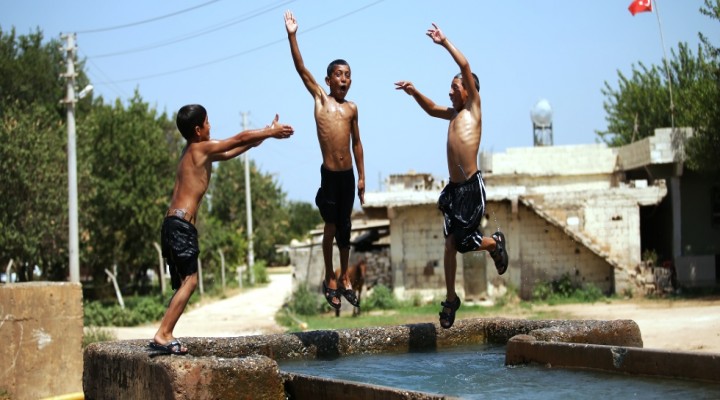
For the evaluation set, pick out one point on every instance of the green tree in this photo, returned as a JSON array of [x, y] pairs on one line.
[[641, 102], [127, 155], [270, 215], [704, 147], [303, 217], [33, 199], [33, 185]]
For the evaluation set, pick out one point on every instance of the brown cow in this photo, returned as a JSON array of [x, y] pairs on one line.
[[356, 274]]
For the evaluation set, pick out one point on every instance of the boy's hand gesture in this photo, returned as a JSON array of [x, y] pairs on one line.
[[281, 131], [408, 87], [290, 23], [436, 34]]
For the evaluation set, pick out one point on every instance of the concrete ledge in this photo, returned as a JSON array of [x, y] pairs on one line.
[[246, 366], [299, 386], [523, 349], [41, 331]]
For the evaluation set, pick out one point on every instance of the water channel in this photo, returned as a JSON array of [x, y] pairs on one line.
[[479, 372]]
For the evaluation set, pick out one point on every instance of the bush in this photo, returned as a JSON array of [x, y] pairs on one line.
[[564, 290], [138, 310], [381, 298], [260, 273], [95, 334], [303, 301]]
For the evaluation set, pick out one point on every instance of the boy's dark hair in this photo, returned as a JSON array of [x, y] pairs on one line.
[[332, 65], [188, 117], [477, 81]]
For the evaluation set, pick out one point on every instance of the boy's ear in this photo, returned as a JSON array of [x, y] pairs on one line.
[[327, 80], [197, 130]]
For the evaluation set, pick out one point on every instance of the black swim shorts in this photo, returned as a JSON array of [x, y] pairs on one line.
[[335, 199], [463, 206], [179, 242]]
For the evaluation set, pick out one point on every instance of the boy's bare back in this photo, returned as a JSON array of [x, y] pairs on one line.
[[195, 167]]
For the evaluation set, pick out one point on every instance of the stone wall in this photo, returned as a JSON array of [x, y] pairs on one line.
[[41, 331], [538, 250], [246, 366], [417, 250]]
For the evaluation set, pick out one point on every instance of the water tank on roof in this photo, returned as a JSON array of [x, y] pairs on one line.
[[541, 116]]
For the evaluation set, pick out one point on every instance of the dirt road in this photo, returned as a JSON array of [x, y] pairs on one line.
[[252, 312], [688, 325]]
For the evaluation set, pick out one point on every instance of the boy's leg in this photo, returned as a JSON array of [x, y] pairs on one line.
[[327, 246], [175, 309], [450, 268], [329, 283], [496, 246], [452, 302], [344, 259]]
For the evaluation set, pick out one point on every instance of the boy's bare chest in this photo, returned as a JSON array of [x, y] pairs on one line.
[[334, 114]]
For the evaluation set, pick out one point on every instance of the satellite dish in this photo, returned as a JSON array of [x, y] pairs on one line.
[[541, 114]]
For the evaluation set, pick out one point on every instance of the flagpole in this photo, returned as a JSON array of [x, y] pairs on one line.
[[667, 68]]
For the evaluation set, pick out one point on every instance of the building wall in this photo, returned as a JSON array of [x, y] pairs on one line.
[[544, 253], [417, 251]]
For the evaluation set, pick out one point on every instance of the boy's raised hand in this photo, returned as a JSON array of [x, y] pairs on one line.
[[282, 131], [290, 23], [408, 87], [436, 34]]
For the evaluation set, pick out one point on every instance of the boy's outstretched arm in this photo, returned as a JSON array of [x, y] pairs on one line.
[[468, 82], [359, 155], [425, 103], [221, 150], [307, 78]]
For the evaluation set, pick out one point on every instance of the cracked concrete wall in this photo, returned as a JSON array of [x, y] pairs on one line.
[[41, 328]]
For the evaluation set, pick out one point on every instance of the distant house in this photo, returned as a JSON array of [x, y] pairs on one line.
[[587, 212]]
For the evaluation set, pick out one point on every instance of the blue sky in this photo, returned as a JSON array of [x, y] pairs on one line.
[[233, 57]]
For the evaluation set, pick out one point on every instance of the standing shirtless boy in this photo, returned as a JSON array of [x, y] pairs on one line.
[[462, 201], [336, 120], [178, 236]]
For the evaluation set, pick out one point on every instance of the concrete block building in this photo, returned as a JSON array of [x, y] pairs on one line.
[[575, 211]]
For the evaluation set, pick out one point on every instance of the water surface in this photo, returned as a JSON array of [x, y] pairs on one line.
[[479, 372]]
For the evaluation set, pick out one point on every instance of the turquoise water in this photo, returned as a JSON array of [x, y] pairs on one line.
[[479, 372]]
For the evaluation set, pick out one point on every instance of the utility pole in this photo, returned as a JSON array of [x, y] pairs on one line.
[[74, 248], [70, 100], [248, 208]]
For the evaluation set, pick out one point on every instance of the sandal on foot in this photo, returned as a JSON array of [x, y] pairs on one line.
[[449, 317], [173, 347], [349, 295], [331, 294], [499, 255]]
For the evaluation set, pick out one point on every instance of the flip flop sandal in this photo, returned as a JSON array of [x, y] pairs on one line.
[[449, 317], [499, 255], [350, 296], [174, 347], [331, 294]]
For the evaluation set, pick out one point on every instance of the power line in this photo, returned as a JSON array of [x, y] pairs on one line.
[[245, 17], [219, 60], [111, 28]]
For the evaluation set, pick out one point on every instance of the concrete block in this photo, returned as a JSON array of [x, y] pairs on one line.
[[41, 328]]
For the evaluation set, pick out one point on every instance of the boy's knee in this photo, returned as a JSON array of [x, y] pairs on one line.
[[191, 281]]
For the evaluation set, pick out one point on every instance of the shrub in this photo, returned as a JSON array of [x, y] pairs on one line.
[[138, 310], [95, 334], [259, 272], [564, 290], [381, 298], [303, 301]]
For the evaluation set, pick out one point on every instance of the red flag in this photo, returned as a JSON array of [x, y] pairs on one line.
[[639, 6]]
